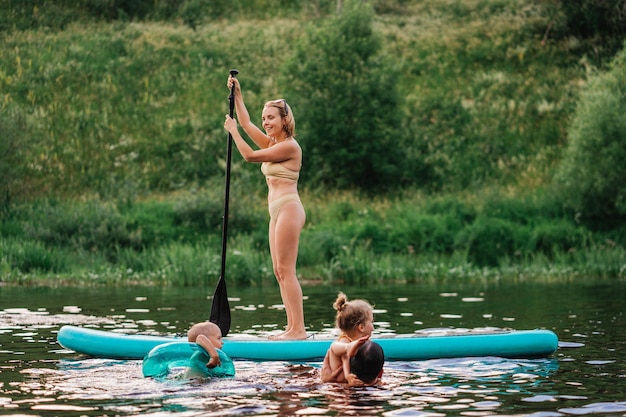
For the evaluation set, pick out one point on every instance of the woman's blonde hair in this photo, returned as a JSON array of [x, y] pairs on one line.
[[289, 122], [351, 313]]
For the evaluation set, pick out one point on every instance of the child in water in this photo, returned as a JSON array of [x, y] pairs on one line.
[[208, 335], [353, 358]]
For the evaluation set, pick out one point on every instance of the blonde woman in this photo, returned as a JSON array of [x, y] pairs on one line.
[[281, 159]]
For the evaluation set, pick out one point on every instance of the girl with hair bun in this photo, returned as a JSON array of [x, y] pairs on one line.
[[355, 319]]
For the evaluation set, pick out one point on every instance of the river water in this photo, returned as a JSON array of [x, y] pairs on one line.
[[586, 376]]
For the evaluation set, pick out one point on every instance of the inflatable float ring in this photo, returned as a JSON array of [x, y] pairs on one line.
[[162, 359]]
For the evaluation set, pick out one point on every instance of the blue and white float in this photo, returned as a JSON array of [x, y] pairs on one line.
[[163, 360]]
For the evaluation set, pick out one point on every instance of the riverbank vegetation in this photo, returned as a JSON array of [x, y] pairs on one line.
[[442, 139]]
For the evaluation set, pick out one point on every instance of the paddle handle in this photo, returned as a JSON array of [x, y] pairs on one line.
[[220, 309]]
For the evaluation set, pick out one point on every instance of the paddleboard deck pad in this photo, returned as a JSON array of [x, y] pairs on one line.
[[514, 344]]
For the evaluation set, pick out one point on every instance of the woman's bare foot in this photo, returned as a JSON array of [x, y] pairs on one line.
[[277, 335], [290, 335]]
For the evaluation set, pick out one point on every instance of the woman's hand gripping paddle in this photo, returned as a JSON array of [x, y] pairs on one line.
[[220, 310]]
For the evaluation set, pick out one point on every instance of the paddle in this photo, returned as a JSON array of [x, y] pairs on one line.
[[220, 310]]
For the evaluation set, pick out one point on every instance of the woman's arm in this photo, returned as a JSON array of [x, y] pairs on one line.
[[278, 153], [250, 128]]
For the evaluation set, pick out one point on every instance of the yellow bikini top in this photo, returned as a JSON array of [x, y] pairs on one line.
[[346, 336], [277, 170]]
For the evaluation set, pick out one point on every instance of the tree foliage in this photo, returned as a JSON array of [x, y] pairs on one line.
[[347, 89], [591, 18], [601, 23], [592, 175], [56, 15]]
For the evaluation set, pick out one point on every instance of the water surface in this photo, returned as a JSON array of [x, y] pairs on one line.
[[586, 376]]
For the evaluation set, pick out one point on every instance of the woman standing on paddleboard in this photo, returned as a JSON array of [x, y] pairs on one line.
[[281, 159]]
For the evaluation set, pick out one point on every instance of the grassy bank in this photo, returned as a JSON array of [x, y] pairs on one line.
[[176, 241]]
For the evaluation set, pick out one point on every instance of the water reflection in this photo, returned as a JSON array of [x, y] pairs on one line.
[[274, 388], [38, 377]]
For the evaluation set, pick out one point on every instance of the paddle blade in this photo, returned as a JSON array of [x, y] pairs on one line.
[[220, 309]]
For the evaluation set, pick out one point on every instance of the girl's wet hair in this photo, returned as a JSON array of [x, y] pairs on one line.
[[351, 313], [289, 122]]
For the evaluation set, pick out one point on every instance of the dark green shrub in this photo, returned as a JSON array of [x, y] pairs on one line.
[[432, 228], [91, 226], [558, 237], [602, 21], [591, 177], [341, 210], [617, 236], [196, 12], [248, 215], [349, 93], [31, 256], [451, 206], [489, 241], [202, 211], [131, 9], [440, 239], [318, 247], [371, 232], [526, 209], [153, 223], [419, 233], [248, 269], [355, 265], [11, 228]]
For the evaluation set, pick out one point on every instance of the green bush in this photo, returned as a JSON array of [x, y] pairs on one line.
[[558, 237], [370, 232], [452, 206], [152, 223], [351, 101], [616, 236], [355, 265], [319, 247], [592, 172], [525, 208], [93, 226], [433, 228], [418, 233], [602, 21], [489, 241], [202, 210], [29, 256]]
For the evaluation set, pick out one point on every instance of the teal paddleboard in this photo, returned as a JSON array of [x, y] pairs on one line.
[[502, 343]]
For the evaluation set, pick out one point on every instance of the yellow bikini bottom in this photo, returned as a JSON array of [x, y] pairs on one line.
[[275, 206]]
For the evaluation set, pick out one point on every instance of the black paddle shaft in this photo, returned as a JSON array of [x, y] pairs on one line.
[[220, 309]]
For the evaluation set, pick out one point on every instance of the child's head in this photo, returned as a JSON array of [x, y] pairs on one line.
[[352, 314], [367, 365], [209, 329]]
